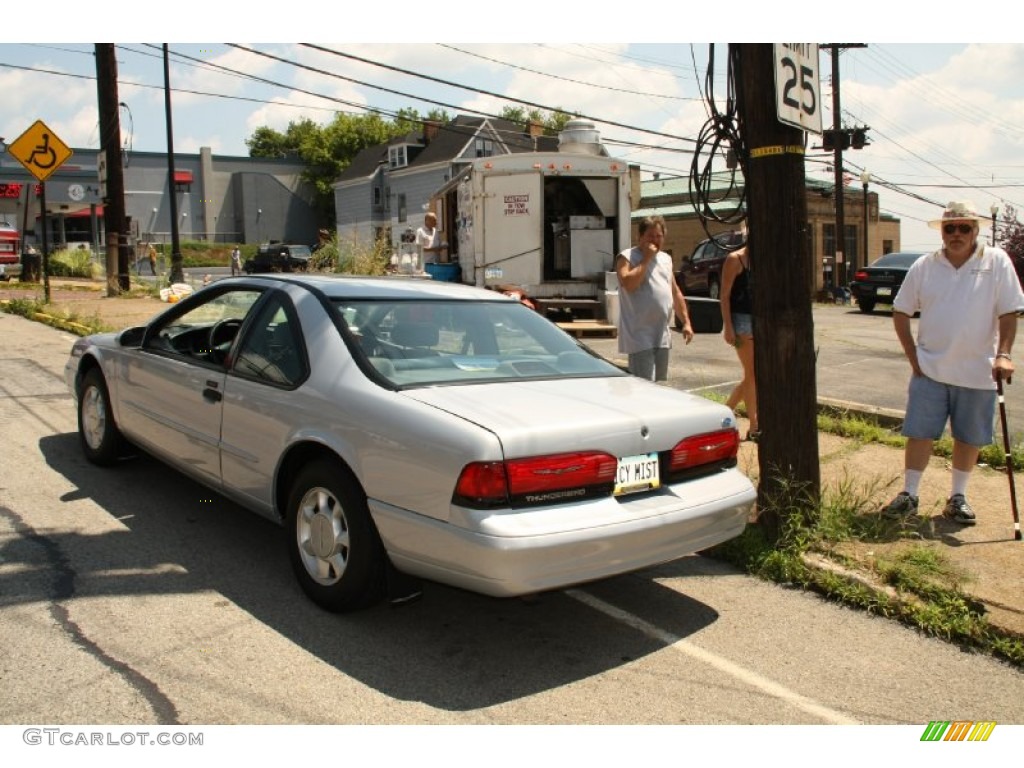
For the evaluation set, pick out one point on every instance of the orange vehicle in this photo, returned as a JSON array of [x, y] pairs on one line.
[[10, 252]]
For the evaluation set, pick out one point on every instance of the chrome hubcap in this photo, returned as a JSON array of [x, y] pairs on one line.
[[94, 417], [321, 531]]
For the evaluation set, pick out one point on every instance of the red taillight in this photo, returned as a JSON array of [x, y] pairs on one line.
[[536, 480], [860, 275], [483, 484], [704, 449]]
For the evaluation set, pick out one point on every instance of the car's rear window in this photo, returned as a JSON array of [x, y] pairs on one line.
[[900, 260], [416, 343]]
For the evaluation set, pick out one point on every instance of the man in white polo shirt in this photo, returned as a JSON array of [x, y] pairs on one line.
[[968, 296]]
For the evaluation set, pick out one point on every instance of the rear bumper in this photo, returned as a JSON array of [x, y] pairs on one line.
[[511, 553], [885, 294]]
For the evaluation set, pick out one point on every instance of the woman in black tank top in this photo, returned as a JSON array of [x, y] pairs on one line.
[[737, 320]]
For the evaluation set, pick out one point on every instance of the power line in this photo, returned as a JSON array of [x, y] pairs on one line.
[[440, 81], [521, 68]]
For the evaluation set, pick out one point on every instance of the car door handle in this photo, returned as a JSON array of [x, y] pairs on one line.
[[211, 393]]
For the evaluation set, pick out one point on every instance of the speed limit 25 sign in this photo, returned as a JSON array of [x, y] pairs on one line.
[[797, 85]]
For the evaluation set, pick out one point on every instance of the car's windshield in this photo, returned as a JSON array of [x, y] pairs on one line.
[[903, 260], [414, 342]]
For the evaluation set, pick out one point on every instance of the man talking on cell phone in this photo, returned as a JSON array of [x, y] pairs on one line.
[[968, 297]]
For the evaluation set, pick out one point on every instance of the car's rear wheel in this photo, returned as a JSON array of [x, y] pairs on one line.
[[866, 306], [335, 549], [713, 290], [100, 438]]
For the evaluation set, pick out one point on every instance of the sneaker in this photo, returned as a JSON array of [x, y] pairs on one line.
[[959, 511], [903, 506]]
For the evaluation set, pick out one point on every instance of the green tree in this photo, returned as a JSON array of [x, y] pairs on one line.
[[266, 142], [553, 122], [1010, 237], [327, 150]]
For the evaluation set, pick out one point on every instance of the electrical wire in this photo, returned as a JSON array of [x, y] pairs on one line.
[[719, 135]]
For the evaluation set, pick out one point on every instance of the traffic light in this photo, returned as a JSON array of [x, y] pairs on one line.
[[859, 138], [831, 137]]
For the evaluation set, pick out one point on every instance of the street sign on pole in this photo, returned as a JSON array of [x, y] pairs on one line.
[[797, 85], [40, 150]]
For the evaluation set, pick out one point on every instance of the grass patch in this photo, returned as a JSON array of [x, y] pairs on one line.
[[913, 582], [48, 314]]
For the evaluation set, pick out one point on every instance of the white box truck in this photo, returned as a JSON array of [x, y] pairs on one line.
[[547, 223]]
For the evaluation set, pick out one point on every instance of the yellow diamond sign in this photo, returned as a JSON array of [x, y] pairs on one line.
[[40, 150]]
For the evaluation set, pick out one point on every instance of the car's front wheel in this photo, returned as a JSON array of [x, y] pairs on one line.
[[98, 434], [334, 547], [866, 306]]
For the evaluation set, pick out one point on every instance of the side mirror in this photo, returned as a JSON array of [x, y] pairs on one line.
[[131, 337]]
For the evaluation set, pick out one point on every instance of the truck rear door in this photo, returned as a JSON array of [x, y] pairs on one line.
[[513, 217]]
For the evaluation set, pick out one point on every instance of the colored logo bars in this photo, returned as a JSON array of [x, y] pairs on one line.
[[958, 730]]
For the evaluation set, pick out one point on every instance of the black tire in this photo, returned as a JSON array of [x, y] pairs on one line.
[[866, 306], [99, 436], [714, 291], [326, 506]]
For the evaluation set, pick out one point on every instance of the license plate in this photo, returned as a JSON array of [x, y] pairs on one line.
[[883, 291], [637, 473]]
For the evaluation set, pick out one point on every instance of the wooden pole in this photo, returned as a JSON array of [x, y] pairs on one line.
[[782, 275]]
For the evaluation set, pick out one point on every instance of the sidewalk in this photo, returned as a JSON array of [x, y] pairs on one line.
[[991, 561]]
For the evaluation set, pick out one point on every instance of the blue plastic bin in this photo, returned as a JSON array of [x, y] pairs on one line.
[[449, 273]]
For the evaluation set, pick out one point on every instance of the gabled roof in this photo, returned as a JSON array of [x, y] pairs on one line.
[[448, 143], [365, 163]]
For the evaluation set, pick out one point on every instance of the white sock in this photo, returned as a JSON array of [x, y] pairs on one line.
[[960, 479], [912, 480]]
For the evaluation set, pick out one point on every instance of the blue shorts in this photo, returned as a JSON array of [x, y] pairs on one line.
[[931, 403], [742, 324]]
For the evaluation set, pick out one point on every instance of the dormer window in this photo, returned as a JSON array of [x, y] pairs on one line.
[[397, 157], [484, 148]]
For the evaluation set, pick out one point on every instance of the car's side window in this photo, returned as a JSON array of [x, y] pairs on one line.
[[273, 350], [206, 332]]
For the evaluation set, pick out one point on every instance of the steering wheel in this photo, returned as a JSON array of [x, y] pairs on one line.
[[222, 333]]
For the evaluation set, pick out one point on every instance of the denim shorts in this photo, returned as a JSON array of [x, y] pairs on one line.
[[931, 403], [742, 324]]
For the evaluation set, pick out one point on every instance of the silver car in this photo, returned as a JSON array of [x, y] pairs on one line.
[[402, 428]]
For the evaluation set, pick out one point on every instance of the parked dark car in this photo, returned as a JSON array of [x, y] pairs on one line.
[[279, 257], [879, 282], [700, 274]]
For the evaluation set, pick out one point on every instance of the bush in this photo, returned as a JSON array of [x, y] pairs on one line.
[[352, 257], [74, 262]]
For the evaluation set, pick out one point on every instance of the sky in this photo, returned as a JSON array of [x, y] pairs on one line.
[[945, 118]]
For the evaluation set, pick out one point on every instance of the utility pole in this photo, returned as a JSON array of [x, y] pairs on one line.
[[782, 274], [837, 128], [177, 273], [110, 145]]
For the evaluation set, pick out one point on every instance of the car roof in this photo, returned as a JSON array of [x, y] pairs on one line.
[[361, 287]]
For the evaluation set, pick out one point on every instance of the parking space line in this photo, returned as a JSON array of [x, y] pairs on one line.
[[751, 678]]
